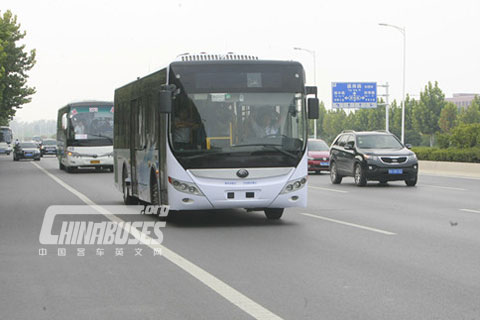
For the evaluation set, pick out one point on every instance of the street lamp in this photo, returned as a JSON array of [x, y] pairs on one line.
[[403, 32], [312, 52]]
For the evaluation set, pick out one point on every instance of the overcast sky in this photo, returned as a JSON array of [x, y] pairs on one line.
[[86, 49]]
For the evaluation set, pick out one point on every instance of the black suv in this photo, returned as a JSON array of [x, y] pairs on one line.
[[372, 155]]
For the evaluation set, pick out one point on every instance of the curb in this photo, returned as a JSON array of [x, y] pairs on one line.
[[444, 168]]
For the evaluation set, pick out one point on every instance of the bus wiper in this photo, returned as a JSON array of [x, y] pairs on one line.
[[102, 136], [274, 147], [255, 145], [203, 154]]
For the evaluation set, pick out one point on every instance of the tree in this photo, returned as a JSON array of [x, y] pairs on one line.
[[427, 113], [471, 114], [334, 123], [15, 62], [448, 117]]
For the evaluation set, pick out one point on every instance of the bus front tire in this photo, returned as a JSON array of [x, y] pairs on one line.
[[127, 198], [273, 213], [70, 169]]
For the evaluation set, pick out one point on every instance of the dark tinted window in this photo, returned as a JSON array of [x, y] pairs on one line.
[[378, 141]]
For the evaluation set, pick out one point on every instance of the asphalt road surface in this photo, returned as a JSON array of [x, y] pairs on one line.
[[378, 252]]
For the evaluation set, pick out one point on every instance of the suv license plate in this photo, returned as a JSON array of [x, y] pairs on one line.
[[395, 171]]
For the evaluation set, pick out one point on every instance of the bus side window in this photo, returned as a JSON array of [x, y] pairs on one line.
[[64, 121]]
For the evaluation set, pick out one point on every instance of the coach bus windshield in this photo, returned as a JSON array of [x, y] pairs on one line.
[[6, 135], [90, 126], [238, 127]]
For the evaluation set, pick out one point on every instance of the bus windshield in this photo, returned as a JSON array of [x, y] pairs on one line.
[[6, 135], [238, 129], [91, 126]]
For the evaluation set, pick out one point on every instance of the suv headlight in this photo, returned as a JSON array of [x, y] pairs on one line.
[[370, 157], [186, 187], [294, 185], [412, 157]]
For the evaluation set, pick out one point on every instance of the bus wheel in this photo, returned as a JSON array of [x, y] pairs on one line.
[[155, 194], [70, 169], [273, 214], [61, 166], [127, 198]]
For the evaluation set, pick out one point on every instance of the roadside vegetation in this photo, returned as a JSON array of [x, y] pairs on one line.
[[438, 129]]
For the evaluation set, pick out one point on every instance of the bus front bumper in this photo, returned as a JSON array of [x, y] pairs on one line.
[[89, 161]]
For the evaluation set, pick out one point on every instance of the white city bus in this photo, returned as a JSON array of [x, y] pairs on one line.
[[5, 140], [215, 131], [85, 135]]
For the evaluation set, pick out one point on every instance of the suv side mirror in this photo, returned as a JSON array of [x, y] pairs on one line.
[[408, 146], [313, 111], [165, 101]]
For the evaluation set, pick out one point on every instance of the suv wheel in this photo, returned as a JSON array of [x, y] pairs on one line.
[[411, 182], [359, 176], [334, 176]]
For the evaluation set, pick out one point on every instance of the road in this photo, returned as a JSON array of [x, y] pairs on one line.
[[378, 252]]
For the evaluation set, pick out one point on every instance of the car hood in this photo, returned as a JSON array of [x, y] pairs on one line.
[[30, 149], [319, 154], [388, 152]]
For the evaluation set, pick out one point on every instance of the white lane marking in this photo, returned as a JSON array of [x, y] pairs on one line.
[[235, 297], [388, 233], [328, 189], [442, 187], [470, 210]]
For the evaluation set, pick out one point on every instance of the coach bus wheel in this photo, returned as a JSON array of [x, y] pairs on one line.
[[127, 198], [273, 213]]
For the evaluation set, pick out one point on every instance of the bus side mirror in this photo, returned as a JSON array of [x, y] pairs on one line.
[[165, 101], [313, 111]]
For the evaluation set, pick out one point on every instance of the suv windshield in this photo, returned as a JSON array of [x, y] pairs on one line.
[[378, 141], [49, 142], [317, 145], [28, 145]]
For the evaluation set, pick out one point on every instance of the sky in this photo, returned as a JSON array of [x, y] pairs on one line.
[[86, 49]]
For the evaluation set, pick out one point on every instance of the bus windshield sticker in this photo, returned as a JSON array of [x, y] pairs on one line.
[[217, 97], [254, 80], [81, 136]]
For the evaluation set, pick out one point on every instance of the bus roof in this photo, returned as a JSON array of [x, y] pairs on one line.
[[87, 103]]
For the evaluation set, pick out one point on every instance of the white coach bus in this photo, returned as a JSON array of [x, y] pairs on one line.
[[214, 132], [85, 135]]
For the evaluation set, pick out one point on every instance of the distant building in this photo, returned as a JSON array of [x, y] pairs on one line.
[[462, 100]]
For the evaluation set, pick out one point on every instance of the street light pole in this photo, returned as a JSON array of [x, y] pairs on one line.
[[403, 32], [312, 52]]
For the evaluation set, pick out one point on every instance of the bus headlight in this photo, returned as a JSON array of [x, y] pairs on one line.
[[295, 185], [186, 187]]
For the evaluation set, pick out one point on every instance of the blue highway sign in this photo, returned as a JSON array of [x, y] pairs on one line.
[[354, 95]]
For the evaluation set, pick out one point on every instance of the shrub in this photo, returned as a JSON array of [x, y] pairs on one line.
[[450, 154]]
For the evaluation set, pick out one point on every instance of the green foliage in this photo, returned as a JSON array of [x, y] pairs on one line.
[[448, 117], [14, 64], [471, 114], [333, 123], [427, 113], [450, 154], [465, 136]]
